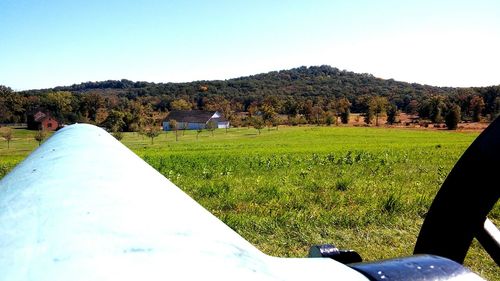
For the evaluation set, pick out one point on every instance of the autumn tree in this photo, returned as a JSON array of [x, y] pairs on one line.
[[220, 104], [344, 109], [496, 109], [392, 114], [59, 104], [92, 104], [115, 121], [291, 107], [317, 114], [269, 124], [134, 127], [307, 109], [377, 106], [412, 107], [476, 107], [152, 128], [257, 123], [252, 109], [276, 122], [12, 106], [453, 117], [138, 115], [152, 131], [172, 123], [368, 116], [268, 115], [211, 126], [331, 114], [40, 135], [436, 108], [228, 113], [101, 116], [180, 104], [7, 135], [329, 119]]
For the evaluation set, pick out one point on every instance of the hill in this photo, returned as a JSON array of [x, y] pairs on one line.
[[291, 92]]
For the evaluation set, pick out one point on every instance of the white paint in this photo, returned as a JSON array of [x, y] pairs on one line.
[[223, 125], [84, 207]]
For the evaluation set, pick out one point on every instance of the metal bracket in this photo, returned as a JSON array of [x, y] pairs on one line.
[[330, 251]]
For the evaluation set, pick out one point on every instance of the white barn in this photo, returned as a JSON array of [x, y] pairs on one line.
[[195, 119]]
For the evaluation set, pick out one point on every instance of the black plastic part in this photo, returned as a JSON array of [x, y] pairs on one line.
[[330, 251], [414, 268], [470, 191]]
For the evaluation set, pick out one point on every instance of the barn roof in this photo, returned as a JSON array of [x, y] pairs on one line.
[[193, 116], [40, 115]]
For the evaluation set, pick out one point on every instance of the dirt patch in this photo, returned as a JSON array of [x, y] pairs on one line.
[[412, 121]]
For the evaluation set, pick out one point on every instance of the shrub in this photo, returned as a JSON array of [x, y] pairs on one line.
[[6, 133], [453, 117], [40, 136], [392, 114]]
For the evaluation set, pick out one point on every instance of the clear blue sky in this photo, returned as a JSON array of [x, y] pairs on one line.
[[46, 43]]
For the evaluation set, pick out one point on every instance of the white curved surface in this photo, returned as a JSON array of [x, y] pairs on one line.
[[84, 207]]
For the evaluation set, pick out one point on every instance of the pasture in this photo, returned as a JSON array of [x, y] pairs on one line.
[[284, 190]]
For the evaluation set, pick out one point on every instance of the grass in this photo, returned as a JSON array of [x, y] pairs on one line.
[[284, 190]]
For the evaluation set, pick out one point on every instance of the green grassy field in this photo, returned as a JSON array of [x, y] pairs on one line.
[[284, 190]]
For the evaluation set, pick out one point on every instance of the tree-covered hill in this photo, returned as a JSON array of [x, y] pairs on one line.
[[303, 91], [323, 81]]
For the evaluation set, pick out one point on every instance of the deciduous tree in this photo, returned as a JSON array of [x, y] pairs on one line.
[[453, 117], [180, 104], [59, 104], [377, 106], [344, 109], [392, 114], [257, 123], [172, 123], [152, 131], [7, 134], [114, 121], [476, 106], [211, 126], [40, 135], [437, 107]]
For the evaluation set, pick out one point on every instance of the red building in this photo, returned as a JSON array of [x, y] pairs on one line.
[[42, 121]]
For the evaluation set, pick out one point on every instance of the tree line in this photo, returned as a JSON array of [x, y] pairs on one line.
[[313, 95]]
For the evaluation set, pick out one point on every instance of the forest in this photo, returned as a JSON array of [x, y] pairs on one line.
[[313, 95]]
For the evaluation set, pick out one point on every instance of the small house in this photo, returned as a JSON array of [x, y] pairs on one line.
[[195, 119], [40, 120]]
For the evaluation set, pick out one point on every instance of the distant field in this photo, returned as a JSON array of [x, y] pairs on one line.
[[359, 188]]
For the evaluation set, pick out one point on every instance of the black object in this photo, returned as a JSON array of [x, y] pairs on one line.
[[418, 267], [458, 213], [330, 251]]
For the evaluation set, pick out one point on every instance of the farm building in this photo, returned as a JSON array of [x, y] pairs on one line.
[[41, 120], [194, 119]]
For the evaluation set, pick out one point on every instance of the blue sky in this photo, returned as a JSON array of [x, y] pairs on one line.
[[46, 43]]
